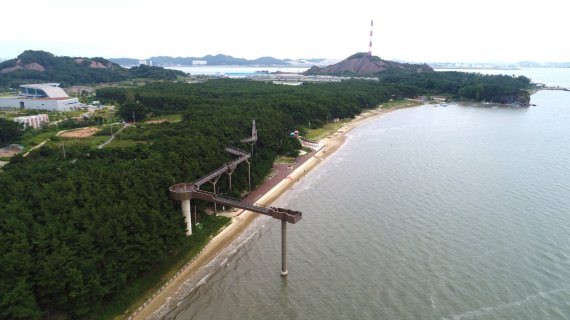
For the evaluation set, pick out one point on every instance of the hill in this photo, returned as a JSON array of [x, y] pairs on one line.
[[216, 60], [364, 65], [41, 66]]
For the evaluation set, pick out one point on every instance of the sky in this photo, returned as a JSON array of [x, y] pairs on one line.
[[408, 30]]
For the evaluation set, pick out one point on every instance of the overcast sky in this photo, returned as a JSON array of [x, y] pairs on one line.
[[410, 30]]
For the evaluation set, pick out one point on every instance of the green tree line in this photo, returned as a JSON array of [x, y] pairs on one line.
[[467, 86]]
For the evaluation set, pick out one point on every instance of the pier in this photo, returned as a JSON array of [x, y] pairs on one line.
[[185, 192], [544, 87]]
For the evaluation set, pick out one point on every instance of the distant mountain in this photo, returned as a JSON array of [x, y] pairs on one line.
[[41, 66], [498, 65], [364, 65], [216, 60], [126, 62]]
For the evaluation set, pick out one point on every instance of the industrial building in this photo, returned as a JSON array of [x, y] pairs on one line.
[[43, 96]]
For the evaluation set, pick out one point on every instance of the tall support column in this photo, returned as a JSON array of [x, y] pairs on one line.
[[215, 203], [284, 270], [249, 175], [214, 182], [187, 216], [230, 176]]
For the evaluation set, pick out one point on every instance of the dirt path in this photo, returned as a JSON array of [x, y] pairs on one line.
[[34, 148]]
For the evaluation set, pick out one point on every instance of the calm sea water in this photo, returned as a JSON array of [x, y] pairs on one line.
[[458, 212]]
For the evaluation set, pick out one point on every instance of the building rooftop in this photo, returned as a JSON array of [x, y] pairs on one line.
[[43, 90]]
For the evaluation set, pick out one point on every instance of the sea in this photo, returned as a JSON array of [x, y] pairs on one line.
[[433, 212], [236, 71]]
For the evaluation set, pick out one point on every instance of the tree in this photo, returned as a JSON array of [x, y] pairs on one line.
[[10, 131], [130, 111], [19, 303]]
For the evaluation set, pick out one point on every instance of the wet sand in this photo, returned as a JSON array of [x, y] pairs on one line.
[[268, 192]]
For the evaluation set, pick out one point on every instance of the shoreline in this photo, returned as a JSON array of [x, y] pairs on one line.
[[241, 221]]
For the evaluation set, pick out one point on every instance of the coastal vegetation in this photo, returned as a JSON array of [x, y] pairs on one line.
[[78, 228], [467, 86], [79, 224]]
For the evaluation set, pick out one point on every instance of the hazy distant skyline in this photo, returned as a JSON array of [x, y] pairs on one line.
[[409, 30]]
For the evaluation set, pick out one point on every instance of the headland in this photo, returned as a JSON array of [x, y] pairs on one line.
[[267, 193]]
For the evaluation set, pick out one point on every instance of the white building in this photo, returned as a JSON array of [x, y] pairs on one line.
[[199, 62], [35, 121], [43, 96]]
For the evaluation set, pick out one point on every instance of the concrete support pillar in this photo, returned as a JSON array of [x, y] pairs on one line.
[[215, 203], [284, 270], [230, 176], [249, 175], [187, 216]]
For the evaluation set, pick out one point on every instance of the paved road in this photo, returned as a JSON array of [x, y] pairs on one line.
[[34, 148], [102, 145], [282, 172]]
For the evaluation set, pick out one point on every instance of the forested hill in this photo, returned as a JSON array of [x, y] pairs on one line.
[[364, 65], [40, 66]]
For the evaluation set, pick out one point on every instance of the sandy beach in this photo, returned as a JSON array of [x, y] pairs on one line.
[[239, 222]]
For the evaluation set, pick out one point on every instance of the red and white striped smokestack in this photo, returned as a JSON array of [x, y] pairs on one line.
[[370, 43]]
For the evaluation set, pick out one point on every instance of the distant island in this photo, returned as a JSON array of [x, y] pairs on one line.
[[227, 60], [498, 65], [216, 60]]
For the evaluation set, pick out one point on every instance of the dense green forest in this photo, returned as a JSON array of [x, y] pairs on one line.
[[76, 230], [40, 66], [467, 86], [9, 131]]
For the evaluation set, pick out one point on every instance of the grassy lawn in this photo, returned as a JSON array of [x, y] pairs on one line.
[[168, 117], [400, 104], [33, 138], [119, 143], [93, 141], [329, 128]]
